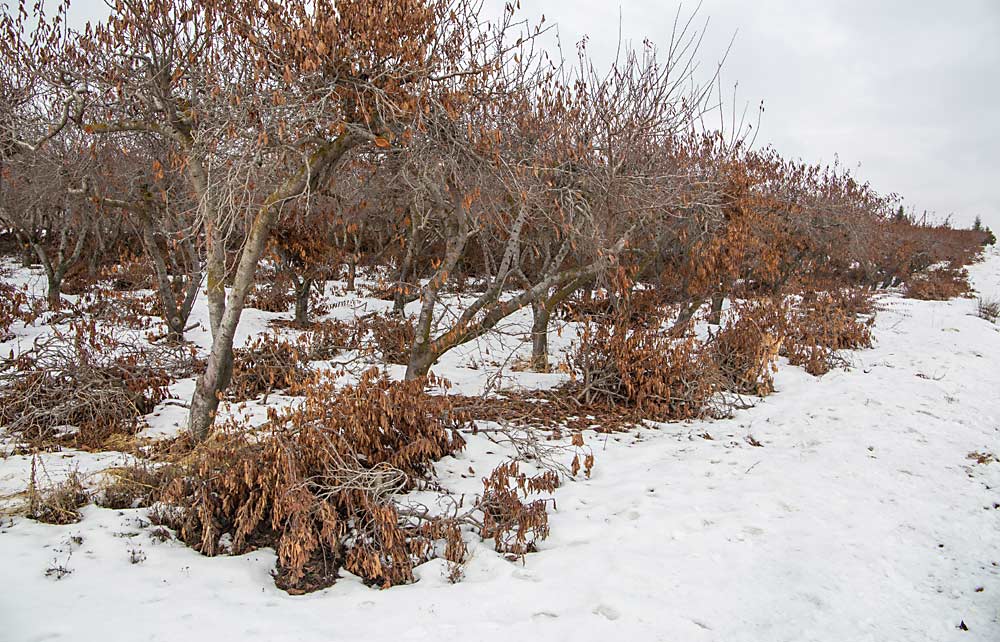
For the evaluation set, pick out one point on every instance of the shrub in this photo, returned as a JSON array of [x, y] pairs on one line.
[[392, 336], [939, 285], [265, 364], [825, 323], [130, 273], [328, 339], [642, 368], [89, 384], [16, 305], [121, 308], [317, 484], [272, 292], [640, 306], [137, 485], [746, 348], [514, 526]]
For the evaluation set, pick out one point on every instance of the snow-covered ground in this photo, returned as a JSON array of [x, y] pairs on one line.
[[860, 517]]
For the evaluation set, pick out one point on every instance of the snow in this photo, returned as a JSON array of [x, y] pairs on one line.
[[860, 517]]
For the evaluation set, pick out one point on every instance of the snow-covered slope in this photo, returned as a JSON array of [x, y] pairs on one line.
[[860, 517]]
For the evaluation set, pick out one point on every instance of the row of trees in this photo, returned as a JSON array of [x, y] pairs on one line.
[[411, 135]]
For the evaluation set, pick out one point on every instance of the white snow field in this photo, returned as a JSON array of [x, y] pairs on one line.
[[861, 517]]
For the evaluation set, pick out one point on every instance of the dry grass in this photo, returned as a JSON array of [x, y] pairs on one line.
[[988, 309], [56, 503], [137, 485]]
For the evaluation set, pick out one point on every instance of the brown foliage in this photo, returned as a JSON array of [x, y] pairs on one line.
[[317, 482], [515, 526], [392, 336], [16, 305], [640, 306], [267, 363], [746, 348], [137, 485], [643, 368], [271, 292], [825, 323], [328, 339], [121, 308], [939, 284], [86, 386], [131, 273]]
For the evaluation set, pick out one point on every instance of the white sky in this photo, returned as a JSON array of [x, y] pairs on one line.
[[904, 91]]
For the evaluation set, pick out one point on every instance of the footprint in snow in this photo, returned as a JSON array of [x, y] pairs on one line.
[[526, 576], [609, 612]]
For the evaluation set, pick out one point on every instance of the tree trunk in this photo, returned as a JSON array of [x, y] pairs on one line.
[[219, 369], [422, 354], [540, 314], [352, 272], [421, 360], [402, 296], [53, 276], [54, 286], [215, 270], [174, 316], [684, 317], [211, 384], [190, 296], [715, 316], [302, 291]]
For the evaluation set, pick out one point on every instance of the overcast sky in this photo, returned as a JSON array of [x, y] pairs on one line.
[[908, 89], [904, 91]]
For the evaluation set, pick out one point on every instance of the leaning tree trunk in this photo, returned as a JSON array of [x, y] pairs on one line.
[[55, 268], [688, 309], [179, 322], [219, 369], [215, 245], [423, 353], [174, 315]]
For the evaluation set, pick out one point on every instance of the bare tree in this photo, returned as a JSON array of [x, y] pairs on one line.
[[45, 207]]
